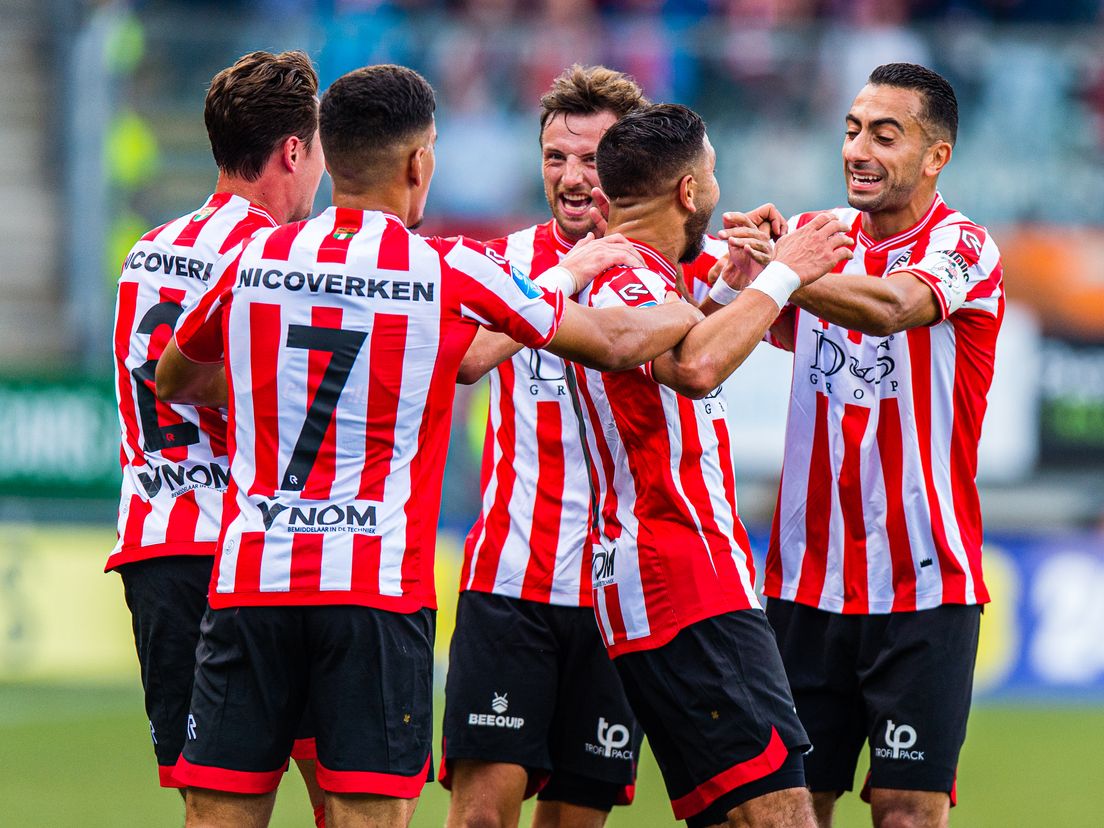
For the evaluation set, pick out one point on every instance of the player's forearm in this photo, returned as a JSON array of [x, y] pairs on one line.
[[639, 335], [870, 305], [179, 380], [717, 346], [487, 350]]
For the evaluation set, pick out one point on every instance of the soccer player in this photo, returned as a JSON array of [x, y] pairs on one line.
[[341, 339], [672, 571], [262, 120], [874, 570], [525, 643]]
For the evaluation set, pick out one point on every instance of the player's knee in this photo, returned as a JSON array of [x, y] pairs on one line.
[[483, 815], [787, 808], [909, 809]]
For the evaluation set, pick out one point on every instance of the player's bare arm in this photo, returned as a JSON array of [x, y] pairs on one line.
[[619, 338], [180, 380], [870, 305], [717, 347], [587, 259]]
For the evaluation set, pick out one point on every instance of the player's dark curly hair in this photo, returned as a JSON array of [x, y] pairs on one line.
[[648, 150], [587, 90], [369, 113], [940, 103]]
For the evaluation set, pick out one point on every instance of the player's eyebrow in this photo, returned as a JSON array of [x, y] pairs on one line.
[[879, 122]]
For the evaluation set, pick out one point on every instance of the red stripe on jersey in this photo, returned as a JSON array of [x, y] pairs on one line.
[[306, 561], [394, 251], [612, 599], [817, 511], [335, 246], [247, 575], [155, 232], [278, 245], [739, 531], [190, 233], [242, 231], [497, 523], [611, 526], [158, 339], [264, 328], [890, 453], [772, 580], [136, 518], [124, 324], [954, 579], [212, 424], [320, 476], [366, 562], [853, 427], [547, 504], [546, 249], [386, 355], [183, 519]]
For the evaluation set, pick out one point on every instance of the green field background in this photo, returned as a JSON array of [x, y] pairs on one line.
[[80, 756]]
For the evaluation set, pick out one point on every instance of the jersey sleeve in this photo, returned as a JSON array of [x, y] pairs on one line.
[[199, 331], [696, 273], [500, 297], [635, 287], [959, 265]]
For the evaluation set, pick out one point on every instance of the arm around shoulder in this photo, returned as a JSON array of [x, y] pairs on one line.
[[180, 380]]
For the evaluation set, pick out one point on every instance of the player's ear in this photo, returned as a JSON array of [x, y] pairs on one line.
[[291, 152], [938, 155], [687, 190], [416, 165]]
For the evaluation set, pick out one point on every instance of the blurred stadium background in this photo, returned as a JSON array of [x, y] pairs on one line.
[[101, 137]]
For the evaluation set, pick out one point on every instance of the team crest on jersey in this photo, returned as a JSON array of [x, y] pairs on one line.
[[344, 233], [203, 214], [525, 284]]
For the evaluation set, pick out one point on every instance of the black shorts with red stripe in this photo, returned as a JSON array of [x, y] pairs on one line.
[[901, 681], [531, 684], [716, 708], [364, 675]]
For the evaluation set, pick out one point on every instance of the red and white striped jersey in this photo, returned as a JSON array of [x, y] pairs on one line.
[[530, 540], [878, 506], [342, 338], [696, 273], [173, 456], [671, 549]]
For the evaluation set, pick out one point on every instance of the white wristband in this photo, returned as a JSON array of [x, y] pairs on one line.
[[557, 278], [722, 292], [778, 281]]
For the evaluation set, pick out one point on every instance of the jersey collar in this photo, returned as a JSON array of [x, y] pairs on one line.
[[905, 237], [656, 261], [562, 242]]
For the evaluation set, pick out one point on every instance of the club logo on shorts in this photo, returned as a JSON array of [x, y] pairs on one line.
[[612, 738], [499, 704], [898, 739], [191, 727]]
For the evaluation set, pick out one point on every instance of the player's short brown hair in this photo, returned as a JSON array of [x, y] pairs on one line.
[[367, 114], [648, 150], [585, 90], [940, 104], [253, 106]]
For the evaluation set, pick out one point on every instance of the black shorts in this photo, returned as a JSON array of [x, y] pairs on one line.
[[167, 597], [365, 675], [901, 681], [717, 711], [531, 684]]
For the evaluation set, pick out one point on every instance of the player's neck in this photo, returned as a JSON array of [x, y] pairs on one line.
[[395, 201], [262, 191], [886, 223], [658, 229]]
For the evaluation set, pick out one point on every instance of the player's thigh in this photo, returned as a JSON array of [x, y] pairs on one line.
[[501, 687], [820, 652], [167, 598], [250, 690], [371, 698], [718, 714], [917, 689], [595, 738]]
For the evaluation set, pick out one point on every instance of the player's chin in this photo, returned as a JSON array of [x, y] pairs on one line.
[[574, 226]]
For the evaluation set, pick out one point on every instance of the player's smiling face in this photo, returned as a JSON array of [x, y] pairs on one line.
[[885, 150], [568, 145]]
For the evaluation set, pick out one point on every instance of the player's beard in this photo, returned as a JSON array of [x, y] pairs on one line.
[[695, 227], [897, 192]]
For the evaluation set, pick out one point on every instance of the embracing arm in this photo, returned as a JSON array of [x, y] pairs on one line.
[[179, 380], [878, 307]]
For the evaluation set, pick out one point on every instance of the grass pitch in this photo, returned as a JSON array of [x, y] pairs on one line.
[[80, 756]]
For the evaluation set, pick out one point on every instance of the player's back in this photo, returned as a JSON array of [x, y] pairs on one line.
[[173, 456]]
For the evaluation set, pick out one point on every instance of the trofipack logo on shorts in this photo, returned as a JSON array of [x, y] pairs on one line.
[[899, 739], [499, 704], [612, 739]]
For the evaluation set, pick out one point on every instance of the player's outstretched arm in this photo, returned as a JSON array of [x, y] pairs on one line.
[[579, 267], [715, 348], [619, 338], [878, 307], [179, 380]]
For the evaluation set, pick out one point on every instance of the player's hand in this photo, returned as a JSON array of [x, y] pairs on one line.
[[673, 298], [590, 256], [815, 249], [765, 217], [599, 211]]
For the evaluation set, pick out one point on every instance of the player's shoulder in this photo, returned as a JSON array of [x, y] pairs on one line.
[[626, 285], [847, 215]]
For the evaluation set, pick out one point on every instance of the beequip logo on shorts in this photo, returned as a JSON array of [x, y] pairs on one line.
[[898, 739], [499, 704], [612, 739]]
